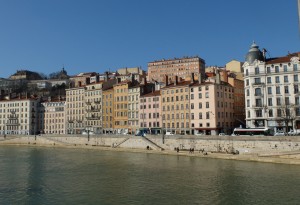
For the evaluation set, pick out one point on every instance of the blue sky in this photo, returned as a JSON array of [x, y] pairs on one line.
[[98, 35]]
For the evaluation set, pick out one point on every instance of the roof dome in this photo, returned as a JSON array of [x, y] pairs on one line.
[[254, 54]]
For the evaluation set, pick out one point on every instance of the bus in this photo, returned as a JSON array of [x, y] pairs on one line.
[[258, 131]]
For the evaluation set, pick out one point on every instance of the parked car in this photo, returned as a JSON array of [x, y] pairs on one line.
[[292, 133], [199, 133], [87, 133], [279, 133], [222, 134], [169, 133]]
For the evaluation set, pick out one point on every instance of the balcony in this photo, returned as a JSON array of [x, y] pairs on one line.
[[97, 101], [88, 103]]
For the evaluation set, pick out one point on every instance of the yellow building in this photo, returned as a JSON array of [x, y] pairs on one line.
[[176, 107], [121, 107]]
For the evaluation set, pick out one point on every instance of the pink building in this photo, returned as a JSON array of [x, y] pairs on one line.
[[150, 113]]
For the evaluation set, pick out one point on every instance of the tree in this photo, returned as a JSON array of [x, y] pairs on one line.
[[286, 114]]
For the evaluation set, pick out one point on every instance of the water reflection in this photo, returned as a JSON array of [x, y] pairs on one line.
[[68, 176]]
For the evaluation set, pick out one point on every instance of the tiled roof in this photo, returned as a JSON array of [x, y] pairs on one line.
[[155, 93]]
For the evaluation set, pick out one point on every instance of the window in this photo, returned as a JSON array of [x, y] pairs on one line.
[[247, 73], [285, 68], [248, 93], [192, 96], [257, 80], [257, 92], [269, 90], [276, 69], [270, 113], [287, 100], [257, 70], [199, 88], [207, 95], [192, 105], [247, 82], [278, 112], [268, 69], [207, 125], [286, 79], [258, 102], [296, 89], [258, 113], [297, 100], [277, 79], [200, 95], [200, 105], [248, 114], [248, 103], [270, 103], [200, 115], [277, 90], [207, 115], [207, 104], [286, 89], [295, 78], [269, 80], [295, 67], [278, 101]]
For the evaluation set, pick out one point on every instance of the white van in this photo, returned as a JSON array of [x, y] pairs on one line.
[[169, 133]]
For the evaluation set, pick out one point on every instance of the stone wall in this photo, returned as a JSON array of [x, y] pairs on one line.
[[246, 146]]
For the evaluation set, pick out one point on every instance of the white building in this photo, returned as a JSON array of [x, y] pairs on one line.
[[272, 90], [18, 116]]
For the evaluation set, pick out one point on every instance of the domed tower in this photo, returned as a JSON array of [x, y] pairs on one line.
[[254, 54]]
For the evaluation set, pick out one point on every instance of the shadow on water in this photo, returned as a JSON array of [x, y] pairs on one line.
[[35, 179]]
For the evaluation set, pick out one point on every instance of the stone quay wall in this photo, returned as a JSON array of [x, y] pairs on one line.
[[244, 145]]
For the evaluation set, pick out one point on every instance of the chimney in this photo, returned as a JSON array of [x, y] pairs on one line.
[[167, 80], [218, 80], [200, 78], [193, 78], [176, 80]]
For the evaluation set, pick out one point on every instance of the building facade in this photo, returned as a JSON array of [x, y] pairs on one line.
[[272, 90], [19, 116], [150, 113], [75, 110], [108, 111], [181, 67], [54, 117], [93, 107], [176, 107]]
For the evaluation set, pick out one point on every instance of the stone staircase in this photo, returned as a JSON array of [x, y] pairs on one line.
[[156, 146], [117, 144]]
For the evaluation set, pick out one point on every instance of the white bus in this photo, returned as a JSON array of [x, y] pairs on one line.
[[258, 131]]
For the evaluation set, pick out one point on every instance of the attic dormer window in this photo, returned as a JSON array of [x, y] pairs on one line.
[[257, 70]]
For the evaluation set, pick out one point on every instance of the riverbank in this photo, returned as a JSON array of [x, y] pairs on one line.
[[260, 150]]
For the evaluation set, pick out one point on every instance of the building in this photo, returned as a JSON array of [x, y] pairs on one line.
[[272, 90], [75, 110], [176, 106], [212, 106], [18, 115], [121, 107], [54, 116], [93, 107], [150, 113], [236, 67], [82, 79], [108, 110], [180, 67]]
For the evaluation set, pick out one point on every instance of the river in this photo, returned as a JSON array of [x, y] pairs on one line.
[[42, 175]]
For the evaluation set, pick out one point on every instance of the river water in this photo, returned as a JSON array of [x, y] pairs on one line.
[[38, 175]]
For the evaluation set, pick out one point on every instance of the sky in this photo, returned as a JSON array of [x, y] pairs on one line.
[[101, 35]]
